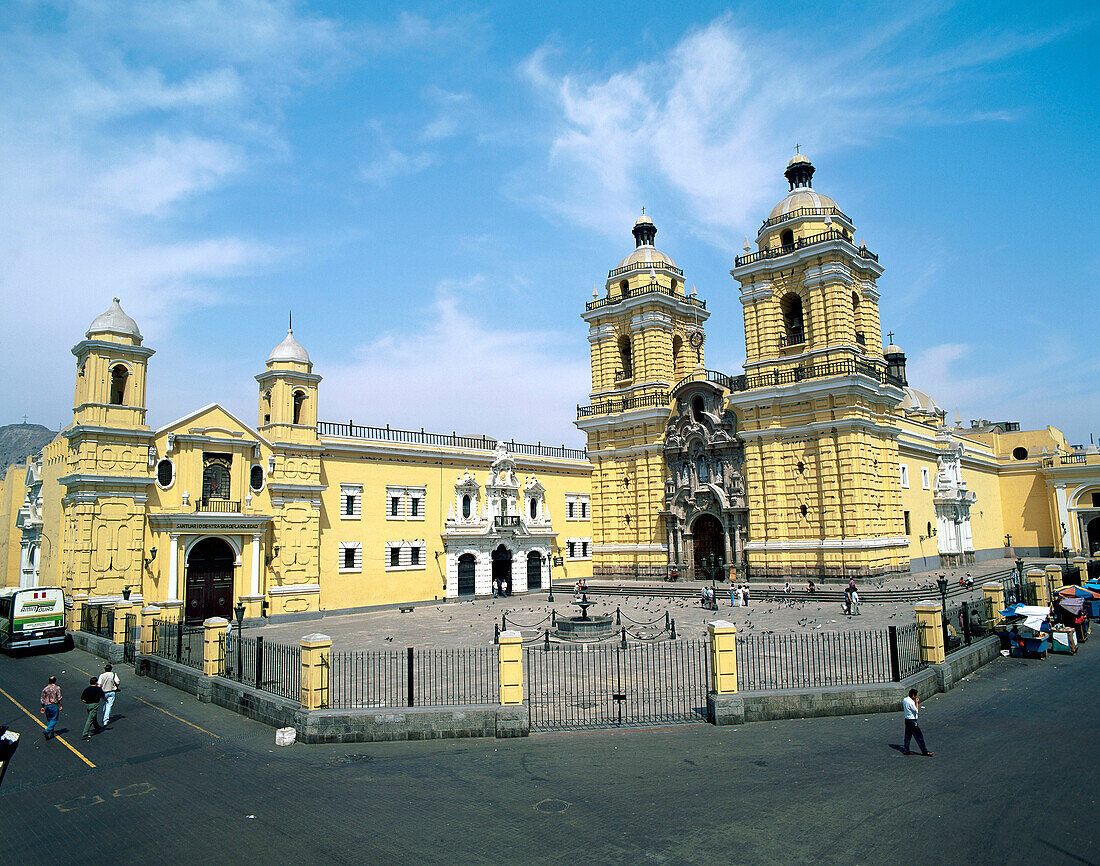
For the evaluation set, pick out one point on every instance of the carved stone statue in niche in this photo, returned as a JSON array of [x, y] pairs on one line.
[[706, 512]]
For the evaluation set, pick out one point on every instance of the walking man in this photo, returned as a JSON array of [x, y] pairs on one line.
[[91, 697], [910, 709], [108, 681], [51, 705]]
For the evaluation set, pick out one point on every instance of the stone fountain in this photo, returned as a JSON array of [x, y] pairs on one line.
[[585, 626]]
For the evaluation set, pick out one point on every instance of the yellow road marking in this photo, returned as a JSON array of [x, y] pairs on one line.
[[177, 718], [38, 722]]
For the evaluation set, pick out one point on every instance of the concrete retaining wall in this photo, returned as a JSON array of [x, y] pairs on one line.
[[412, 723], [966, 661], [177, 676], [97, 646]]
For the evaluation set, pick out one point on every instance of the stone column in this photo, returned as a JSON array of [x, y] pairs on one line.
[[723, 656], [149, 614], [120, 636], [1038, 579], [1054, 579], [995, 595], [79, 600], [212, 634], [316, 656], [510, 655], [255, 588], [727, 536], [930, 630], [173, 567]]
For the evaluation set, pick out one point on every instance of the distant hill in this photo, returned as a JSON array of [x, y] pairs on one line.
[[20, 441]]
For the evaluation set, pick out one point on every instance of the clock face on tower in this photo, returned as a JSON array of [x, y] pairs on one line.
[[696, 339]]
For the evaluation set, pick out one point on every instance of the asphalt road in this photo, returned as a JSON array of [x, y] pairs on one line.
[[1013, 781]]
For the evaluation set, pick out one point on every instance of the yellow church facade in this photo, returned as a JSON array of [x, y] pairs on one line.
[[819, 460]]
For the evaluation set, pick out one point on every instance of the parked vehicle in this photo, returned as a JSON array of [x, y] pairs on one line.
[[32, 616]]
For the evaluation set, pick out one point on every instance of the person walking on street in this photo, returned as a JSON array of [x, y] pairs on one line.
[[92, 698], [108, 681], [51, 705], [911, 709]]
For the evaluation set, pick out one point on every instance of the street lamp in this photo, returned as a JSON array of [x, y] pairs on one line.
[[941, 582], [550, 571], [239, 611]]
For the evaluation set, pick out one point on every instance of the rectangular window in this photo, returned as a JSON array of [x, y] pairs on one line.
[[351, 498], [904, 475], [414, 507], [584, 509], [576, 506], [395, 557], [925, 478], [395, 506], [906, 513], [569, 506], [584, 550], [414, 558], [569, 548], [351, 556]]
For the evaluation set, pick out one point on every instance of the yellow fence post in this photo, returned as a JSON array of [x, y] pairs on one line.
[[316, 658], [930, 629], [79, 600], [212, 631], [510, 654], [1054, 579], [1038, 578], [995, 595], [119, 635], [723, 657], [149, 615]]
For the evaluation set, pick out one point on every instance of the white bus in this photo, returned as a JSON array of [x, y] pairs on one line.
[[34, 616]]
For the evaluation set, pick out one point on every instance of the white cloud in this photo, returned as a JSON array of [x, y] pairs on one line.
[[395, 163], [459, 372]]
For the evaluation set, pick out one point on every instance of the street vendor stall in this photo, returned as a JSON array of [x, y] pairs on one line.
[[1029, 630], [1070, 611]]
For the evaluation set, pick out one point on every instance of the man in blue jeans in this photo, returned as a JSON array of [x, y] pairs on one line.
[[51, 705]]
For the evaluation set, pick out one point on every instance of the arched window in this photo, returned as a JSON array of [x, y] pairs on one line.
[[624, 288], [466, 506], [624, 357], [697, 407], [299, 399], [119, 374], [786, 238], [675, 286], [677, 346], [855, 302], [166, 473], [791, 307], [215, 477], [534, 508], [256, 477]]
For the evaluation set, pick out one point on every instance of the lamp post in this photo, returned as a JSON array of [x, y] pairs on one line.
[[941, 582], [550, 570], [239, 611]]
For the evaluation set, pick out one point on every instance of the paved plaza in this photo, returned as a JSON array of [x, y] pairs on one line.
[[470, 623]]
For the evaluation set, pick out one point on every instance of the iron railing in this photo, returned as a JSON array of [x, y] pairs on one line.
[[218, 506], [133, 636], [351, 430], [651, 289], [271, 667], [805, 211], [612, 685], [905, 650], [178, 642], [644, 266], [823, 658], [861, 338], [510, 521], [966, 622], [414, 678], [812, 240], [796, 337], [98, 619], [624, 404]]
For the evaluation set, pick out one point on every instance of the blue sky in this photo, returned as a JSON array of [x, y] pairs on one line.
[[434, 190]]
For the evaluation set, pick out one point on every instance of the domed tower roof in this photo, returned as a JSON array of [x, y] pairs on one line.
[[114, 321], [799, 174], [289, 350], [644, 232], [920, 403]]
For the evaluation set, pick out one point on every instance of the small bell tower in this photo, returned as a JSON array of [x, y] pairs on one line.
[[110, 373], [288, 394]]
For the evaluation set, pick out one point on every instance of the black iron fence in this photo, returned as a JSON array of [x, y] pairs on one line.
[[414, 678], [905, 651], [98, 619], [177, 642], [265, 665], [800, 661], [966, 622], [611, 685], [133, 635]]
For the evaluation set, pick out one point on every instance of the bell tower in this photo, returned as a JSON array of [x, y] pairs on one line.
[[646, 334], [288, 394], [111, 367], [817, 399]]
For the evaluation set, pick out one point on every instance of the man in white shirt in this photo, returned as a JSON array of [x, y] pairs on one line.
[[910, 709], [108, 681]]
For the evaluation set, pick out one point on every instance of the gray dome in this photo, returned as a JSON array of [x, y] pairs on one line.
[[114, 321], [289, 350]]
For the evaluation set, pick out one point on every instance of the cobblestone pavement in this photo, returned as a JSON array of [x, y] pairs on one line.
[[470, 623], [179, 781]]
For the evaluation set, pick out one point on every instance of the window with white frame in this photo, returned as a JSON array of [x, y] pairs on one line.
[[577, 506], [578, 548], [351, 556], [925, 478], [904, 475], [405, 503], [406, 555], [351, 501]]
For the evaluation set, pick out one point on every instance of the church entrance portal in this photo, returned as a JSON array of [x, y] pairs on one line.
[[534, 570], [1094, 535], [209, 580], [467, 570], [709, 541], [502, 567]]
